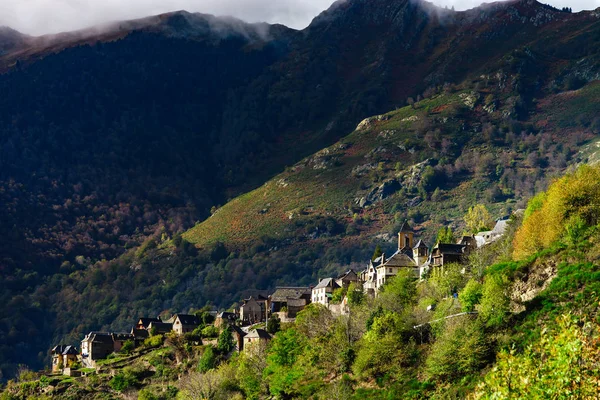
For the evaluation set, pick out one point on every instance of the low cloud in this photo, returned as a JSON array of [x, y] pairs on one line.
[[37, 17]]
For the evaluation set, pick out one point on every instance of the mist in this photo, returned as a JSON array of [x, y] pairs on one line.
[[38, 17]]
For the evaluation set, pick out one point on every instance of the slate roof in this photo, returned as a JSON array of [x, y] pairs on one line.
[[99, 337], [258, 333], [420, 245], [161, 326], [70, 350], [446, 248], [327, 282], [140, 333], [285, 293], [59, 349], [185, 319], [238, 330], [405, 227], [345, 274], [500, 227], [227, 315], [399, 259], [122, 336]]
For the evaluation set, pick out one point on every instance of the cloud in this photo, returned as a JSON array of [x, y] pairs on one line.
[[38, 17]]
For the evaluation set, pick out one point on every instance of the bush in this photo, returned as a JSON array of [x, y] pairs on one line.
[[494, 300], [154, 341], [128, 347]]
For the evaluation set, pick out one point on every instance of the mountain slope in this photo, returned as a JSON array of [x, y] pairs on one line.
[[127, 137]]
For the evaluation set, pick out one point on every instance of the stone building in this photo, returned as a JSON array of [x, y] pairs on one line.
[[323, 291], [63, 356]]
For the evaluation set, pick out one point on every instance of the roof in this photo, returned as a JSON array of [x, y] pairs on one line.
[[59, 348], [238, 330], [122, 336], [161, 326], [500, 227], [69, 350], [420, 244], [349, 272], [405, 227], [399, 259], [145, 321], [285, 293], [186, 319], [408, 251], [227, 315], [327, 282], [258, 333], [379, 259], [99, 337], [140, 333], [446, 248]]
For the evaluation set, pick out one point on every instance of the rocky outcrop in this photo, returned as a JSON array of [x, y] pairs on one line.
[[382, 192]]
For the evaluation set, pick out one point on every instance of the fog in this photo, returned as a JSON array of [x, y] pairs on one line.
[[37, 17]]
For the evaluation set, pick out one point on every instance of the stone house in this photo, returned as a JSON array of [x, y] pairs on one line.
[[184, 323], [63, 356], [323, 292], [288, 301], [256, 340], [254, 310], [96, 346]]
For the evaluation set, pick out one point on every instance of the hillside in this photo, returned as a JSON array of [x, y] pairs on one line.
[[520, 321], [127, 138]]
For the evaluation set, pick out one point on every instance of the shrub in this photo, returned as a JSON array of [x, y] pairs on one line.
[[154, 341], [494, 300], [128, 346]]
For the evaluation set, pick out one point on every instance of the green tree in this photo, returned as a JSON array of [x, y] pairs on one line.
[[399, 292], [470, 296], [128, 346], [356, 295], [445, 235], [208, 360], [478, 219], [274, 324], [495, 304], [225, 343], [377, 253]]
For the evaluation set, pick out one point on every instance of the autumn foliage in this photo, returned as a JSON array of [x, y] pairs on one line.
[[571, 204]]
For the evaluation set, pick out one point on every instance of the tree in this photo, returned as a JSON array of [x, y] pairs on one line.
[[225, 343], [208, 360], [274, 324], [495, 304], [355, 294], [445, 235], [470, 295], [377, 253], [478, 219], [128, 346]]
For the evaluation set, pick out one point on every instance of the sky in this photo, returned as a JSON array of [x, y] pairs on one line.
[[37, 17]]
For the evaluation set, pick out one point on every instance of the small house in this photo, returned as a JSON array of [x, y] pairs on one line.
[[63, 356], [184, 323], [97, 346], [256, 340], [238, 336], [323, 292], [139, 335], [253, 310], [290, 300]]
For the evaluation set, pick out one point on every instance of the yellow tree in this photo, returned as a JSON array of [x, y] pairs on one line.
[[478, 219]]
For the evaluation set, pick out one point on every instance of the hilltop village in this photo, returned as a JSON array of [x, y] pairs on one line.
[[248, 324]]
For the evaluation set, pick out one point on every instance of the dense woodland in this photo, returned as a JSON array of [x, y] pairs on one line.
[[110, 150]]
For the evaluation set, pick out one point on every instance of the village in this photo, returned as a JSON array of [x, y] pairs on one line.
[[248, 323]]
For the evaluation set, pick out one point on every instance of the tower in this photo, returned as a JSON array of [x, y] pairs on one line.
[[420, 253], [405, 236]]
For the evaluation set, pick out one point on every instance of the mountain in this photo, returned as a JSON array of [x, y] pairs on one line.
[[128, 134]]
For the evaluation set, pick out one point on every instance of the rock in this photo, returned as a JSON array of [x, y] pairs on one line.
[[370, 122], [382, 192]]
